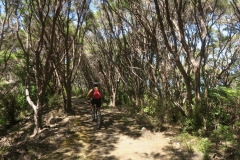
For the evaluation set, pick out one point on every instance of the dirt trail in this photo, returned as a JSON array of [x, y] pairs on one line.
[[121, 138], [76, 137]]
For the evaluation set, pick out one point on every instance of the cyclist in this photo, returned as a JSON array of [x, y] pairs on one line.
[[96, 96]]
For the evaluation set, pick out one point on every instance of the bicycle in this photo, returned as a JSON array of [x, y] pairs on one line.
[[96, 115]]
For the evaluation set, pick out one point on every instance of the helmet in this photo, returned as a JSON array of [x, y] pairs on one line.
[[95, 84]]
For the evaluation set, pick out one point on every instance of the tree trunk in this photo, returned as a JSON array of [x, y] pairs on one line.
[[137, 98], [113, 97], [37, 111], [37, 118], [197, 84], [112, 100], [64, 100], [69, 96]]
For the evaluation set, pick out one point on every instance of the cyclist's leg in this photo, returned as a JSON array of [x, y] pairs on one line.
[[91, 105], [98, 105]]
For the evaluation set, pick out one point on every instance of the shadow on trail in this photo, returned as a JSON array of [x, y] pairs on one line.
[[74, 137], [100, 142]]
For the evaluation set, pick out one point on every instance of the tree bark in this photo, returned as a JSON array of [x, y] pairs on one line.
[[113, 97]]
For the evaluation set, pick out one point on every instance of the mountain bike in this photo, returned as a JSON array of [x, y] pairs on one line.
[[96, 116]]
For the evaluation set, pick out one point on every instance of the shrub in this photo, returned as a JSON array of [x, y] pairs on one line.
[[204, 145], [55, 101]]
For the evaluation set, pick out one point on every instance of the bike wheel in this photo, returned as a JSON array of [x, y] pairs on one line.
[[94, 113], [98, 119]]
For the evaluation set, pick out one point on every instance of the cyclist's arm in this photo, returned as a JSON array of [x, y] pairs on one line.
[[89, 93]]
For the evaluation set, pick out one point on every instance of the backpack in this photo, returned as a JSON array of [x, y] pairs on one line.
[[96, 94]]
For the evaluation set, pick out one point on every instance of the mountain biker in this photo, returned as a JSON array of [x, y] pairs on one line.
[[95, 99]]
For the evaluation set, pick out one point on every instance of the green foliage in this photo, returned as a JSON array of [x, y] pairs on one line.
[[149, 110], [32, 92], [125, 4], [184, 136], [104, 105], [187, 141], [197, 120], [21, 98], [204, 145], [14, 106], [187, 124], [191, 143], [55, 101], [237, 123], [224, 95], [79, 92], [7, 110], [225, 133], [122, 97], [222, 102], [150, 107], [222, 133], [5, 54], [3, 118], [189, 147]]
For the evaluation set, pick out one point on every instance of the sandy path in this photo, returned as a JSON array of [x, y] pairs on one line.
[[75, 137], [121, 138]]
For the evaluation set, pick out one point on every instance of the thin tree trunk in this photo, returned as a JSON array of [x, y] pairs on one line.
[[37, 112], [64, 100], [197, 84], [113, 97], [69, 96], [38, 116]]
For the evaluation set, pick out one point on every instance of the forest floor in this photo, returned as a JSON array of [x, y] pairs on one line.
[[75, 137]]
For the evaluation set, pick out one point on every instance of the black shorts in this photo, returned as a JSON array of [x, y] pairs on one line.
[[97, 102]]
